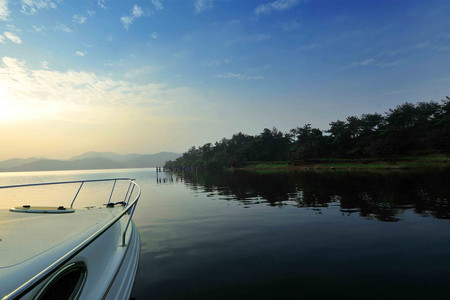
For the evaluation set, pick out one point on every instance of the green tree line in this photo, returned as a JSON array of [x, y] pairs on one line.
[[408, 129]]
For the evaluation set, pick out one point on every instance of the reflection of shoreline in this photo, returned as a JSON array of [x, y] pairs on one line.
[[383, 196], [349, 165]]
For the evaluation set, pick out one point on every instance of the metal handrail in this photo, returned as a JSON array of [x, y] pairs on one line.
[[47, 272]]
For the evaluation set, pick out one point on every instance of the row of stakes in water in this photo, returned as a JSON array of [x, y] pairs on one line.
[[176, 169]]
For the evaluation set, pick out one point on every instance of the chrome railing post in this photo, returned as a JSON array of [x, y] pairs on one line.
[[76, 195], [128, 223], [129, 197], [112, 191], [126, 195]]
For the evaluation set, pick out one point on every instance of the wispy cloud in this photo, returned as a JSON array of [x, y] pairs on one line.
[[202, 5], [239, 76], [74, 87], [29, 7], [395, 92], [309, 47], [2, 39], [109, 38], [289, 26], [154, 35], [258, 69], [127, 21], [216, 62], [38, 28], [102, 4], [137, 12], [408, 49], [11, 27], [4, 11], [180, 54], [12, 37], [389, 64], [115, 63], [440, 49], [80, 53], [258, 37], [365, 62], [278, 5], [158, 5], [80, 19], [63, 27], [44, 64], [90, 12], [444, 79], [145, 70]]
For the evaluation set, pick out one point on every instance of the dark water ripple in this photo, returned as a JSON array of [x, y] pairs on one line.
[[327, 235], [376, 195]]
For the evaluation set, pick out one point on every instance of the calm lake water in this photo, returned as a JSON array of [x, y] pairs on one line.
[[306, 235]]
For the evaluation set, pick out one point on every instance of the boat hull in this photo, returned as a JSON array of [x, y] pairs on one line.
[[110, 267]]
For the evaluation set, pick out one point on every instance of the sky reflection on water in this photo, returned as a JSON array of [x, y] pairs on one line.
[[287, 236], [297, 235]]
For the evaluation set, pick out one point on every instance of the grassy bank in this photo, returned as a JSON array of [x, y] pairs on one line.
[[409, 162]]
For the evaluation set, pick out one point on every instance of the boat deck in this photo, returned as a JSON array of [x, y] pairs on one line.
[[31, 234], [44, 246]]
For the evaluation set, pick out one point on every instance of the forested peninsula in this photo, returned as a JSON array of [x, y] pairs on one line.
[[409, 132]]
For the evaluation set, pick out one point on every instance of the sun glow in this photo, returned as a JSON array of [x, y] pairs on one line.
[[8, 110], [13, 110]]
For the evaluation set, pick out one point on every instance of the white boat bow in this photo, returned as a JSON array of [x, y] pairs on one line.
[[67, 253]]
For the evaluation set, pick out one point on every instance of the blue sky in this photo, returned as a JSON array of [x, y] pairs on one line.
[[156, 75]]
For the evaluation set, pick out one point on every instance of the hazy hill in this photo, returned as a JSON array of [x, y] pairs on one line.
[[107, 155], [81, 164], [17, 162], [132, 160], [89, 161], [152, 160]]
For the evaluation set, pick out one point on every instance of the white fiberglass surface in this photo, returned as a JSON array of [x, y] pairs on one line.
[[25, 236]]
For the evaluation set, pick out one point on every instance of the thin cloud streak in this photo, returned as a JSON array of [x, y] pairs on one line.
[[12, 37], [38, 28], [76, 87], [239, 76], [4, 11], [202, 5], [365, 62], [158, 5], [398, 92], [63, 27], [279, 5], [259, 37], [102, 4], [137, 12], [80, 19], [309, 47], [29, 7]]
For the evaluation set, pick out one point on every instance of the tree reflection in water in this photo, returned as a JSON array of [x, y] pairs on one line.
[[382, 196]]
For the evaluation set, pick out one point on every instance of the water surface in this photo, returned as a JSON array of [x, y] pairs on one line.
[[280, 236]]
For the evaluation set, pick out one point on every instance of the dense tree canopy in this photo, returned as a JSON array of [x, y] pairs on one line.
[[408, 129]]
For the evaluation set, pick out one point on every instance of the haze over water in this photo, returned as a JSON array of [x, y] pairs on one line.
[[288, 235]]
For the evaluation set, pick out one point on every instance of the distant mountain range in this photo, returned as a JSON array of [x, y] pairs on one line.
[[89, 161]]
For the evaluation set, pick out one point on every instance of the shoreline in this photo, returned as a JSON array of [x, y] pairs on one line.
[[357, 165]]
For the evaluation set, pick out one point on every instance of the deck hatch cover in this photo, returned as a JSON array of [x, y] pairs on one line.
[[42, 209]]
